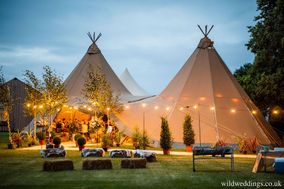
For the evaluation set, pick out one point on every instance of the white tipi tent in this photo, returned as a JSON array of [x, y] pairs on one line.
[[74, 84], [91, 61], [129, 82], [205, 88]]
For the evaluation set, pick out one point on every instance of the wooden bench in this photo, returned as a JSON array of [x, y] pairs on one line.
[[206, 153]]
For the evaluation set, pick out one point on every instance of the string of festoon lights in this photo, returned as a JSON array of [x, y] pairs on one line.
[[194, 106], [146, 106]]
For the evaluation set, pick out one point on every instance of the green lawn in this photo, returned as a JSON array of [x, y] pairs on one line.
[[23, 169]]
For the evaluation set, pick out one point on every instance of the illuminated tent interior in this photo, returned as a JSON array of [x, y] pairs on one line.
[[205, 88]]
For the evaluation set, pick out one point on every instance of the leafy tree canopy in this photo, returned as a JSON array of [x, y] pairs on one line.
[[263, 79], [97, 90]]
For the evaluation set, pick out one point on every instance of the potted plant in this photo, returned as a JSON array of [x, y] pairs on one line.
[[76, 138], [243, 145], [136, 138], [165, 137], [253, 144], [144, 140], [106, 142], [17, 139], [41, 137], [117, 138], [52, 136], [81, 143], [11, 145], [56, 142], [31, 139], [188, 133]]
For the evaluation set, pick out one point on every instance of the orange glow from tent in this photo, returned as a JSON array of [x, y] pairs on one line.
[[235, 100], [219, 95], [202, 98], [276, 112]]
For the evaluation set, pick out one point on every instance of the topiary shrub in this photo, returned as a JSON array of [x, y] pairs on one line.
[[106, 142], [81, 141], [77, 136], [165, 136], [188, 133], [118, 137], [40, 135], [57, 141], [136, 138]]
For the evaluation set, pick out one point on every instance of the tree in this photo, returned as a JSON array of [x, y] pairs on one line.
[[33, 100], [188, 133], [54, 93], [165, 136], [97, 90], [263, 79], [5, 103], [44, 96], [139, 139]]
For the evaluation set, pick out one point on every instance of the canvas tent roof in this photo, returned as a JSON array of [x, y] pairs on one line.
[[91, 61], [204, 87], [130, 83]]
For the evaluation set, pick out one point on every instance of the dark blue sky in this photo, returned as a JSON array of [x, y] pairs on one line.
[[153, 39]]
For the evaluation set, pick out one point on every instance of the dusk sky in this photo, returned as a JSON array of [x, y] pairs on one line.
[[153, 39]]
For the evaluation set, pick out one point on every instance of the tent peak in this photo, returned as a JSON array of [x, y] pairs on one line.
[[126, 70], [205, 42], [93, 38], [205, 31], [93, 49]]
